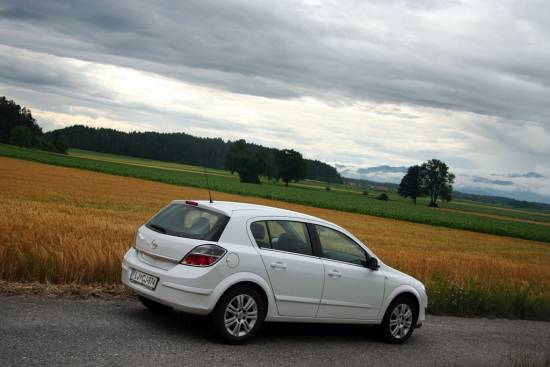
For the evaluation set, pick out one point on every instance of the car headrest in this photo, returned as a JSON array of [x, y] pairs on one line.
[[288, 242], [258, 231], [200, 225]]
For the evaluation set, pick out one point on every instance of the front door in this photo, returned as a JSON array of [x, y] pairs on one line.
[[351, 290]]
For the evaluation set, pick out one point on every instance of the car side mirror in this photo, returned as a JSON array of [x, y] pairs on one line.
[[372, 263]]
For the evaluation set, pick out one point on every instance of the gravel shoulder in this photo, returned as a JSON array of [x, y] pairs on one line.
[[38, 330]]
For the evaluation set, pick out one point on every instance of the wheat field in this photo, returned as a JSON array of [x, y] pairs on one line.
[[68, 226]]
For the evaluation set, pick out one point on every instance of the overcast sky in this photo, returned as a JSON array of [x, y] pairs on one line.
[[354, 83]]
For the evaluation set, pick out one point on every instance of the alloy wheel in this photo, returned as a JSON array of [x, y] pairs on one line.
[[241, 314], [401, 320]]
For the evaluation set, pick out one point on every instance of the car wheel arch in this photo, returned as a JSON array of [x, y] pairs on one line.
[[411, 296], [400, 291], [248, 279], [252, 285]]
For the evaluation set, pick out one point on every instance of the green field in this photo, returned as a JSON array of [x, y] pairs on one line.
[[143, 162], [537, 216], [313, 193]]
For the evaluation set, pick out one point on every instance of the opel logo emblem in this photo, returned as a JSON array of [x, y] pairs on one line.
[[154, 244]]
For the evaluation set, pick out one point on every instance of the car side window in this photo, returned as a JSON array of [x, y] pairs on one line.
[[282, 235], [259, 231], [338, 246]]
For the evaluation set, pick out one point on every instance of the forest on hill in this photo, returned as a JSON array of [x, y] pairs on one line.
[[179, 148]]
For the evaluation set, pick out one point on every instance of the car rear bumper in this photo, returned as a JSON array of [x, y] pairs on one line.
[[178, 285]]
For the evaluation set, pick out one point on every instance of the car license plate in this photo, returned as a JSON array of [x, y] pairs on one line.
[[146, 280]]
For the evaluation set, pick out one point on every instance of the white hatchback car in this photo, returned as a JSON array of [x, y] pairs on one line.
[[243, 264]]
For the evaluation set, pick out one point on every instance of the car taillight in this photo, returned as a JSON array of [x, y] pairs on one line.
[[136, 236], [204, 255]]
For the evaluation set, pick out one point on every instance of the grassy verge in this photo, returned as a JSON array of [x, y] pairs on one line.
[[71, 291], [526, 360], [473, 298]]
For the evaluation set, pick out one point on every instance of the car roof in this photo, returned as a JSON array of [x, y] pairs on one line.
[[232, 208]]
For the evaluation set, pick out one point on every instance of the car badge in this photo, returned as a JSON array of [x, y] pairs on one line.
[[154, 244]]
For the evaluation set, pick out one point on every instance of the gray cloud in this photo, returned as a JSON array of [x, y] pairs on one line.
[[484, 180], [380, 51], [381, 169], [518, 175]]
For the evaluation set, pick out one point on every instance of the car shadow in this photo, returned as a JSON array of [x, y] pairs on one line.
[[188, 326], [173, 323], [317, 333]]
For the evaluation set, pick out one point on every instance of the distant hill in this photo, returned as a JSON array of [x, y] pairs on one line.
[[382, 169], [500, 200], [487, 199], [174, 147]]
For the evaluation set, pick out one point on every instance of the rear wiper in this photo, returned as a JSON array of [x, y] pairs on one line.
[[157, 228]]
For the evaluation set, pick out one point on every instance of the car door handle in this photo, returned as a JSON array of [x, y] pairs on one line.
[[334, 274], [278, 265]]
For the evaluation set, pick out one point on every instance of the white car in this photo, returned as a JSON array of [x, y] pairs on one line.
[[244, 264]]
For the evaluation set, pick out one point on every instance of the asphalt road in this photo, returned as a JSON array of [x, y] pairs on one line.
[[44, 331]]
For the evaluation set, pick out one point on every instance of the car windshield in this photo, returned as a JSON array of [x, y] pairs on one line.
[[188, 221]]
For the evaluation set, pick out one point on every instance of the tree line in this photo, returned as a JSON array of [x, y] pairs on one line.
[[249, 160], [432, 179], [18, 127]]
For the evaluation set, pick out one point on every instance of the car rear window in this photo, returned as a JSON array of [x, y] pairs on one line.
[[188, 221]]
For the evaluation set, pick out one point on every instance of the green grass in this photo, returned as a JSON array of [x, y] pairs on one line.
[[310, 193], [143, 162], [526, 359], [524, 301], [504, 212]]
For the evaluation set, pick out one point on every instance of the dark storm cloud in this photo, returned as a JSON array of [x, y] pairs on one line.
[[378, 51]]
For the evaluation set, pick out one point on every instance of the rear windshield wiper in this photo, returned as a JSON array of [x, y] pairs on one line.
[[157, 228]]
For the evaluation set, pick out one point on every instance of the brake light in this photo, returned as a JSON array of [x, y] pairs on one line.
[[189, 202], [137, 237], [204, 255]]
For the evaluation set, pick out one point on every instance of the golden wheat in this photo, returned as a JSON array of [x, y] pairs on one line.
[[63, 225]]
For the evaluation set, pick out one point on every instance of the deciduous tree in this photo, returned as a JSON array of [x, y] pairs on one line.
[[410, 186], [246, 163], [290, 166], [436, 180]]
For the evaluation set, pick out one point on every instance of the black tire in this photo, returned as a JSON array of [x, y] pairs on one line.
[[398, 335], [154, 306], [218, 316]]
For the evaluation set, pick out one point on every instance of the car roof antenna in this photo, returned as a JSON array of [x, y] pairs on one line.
[[208, 185]]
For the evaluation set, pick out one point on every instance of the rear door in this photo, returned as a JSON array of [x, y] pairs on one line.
[[295, 274]]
